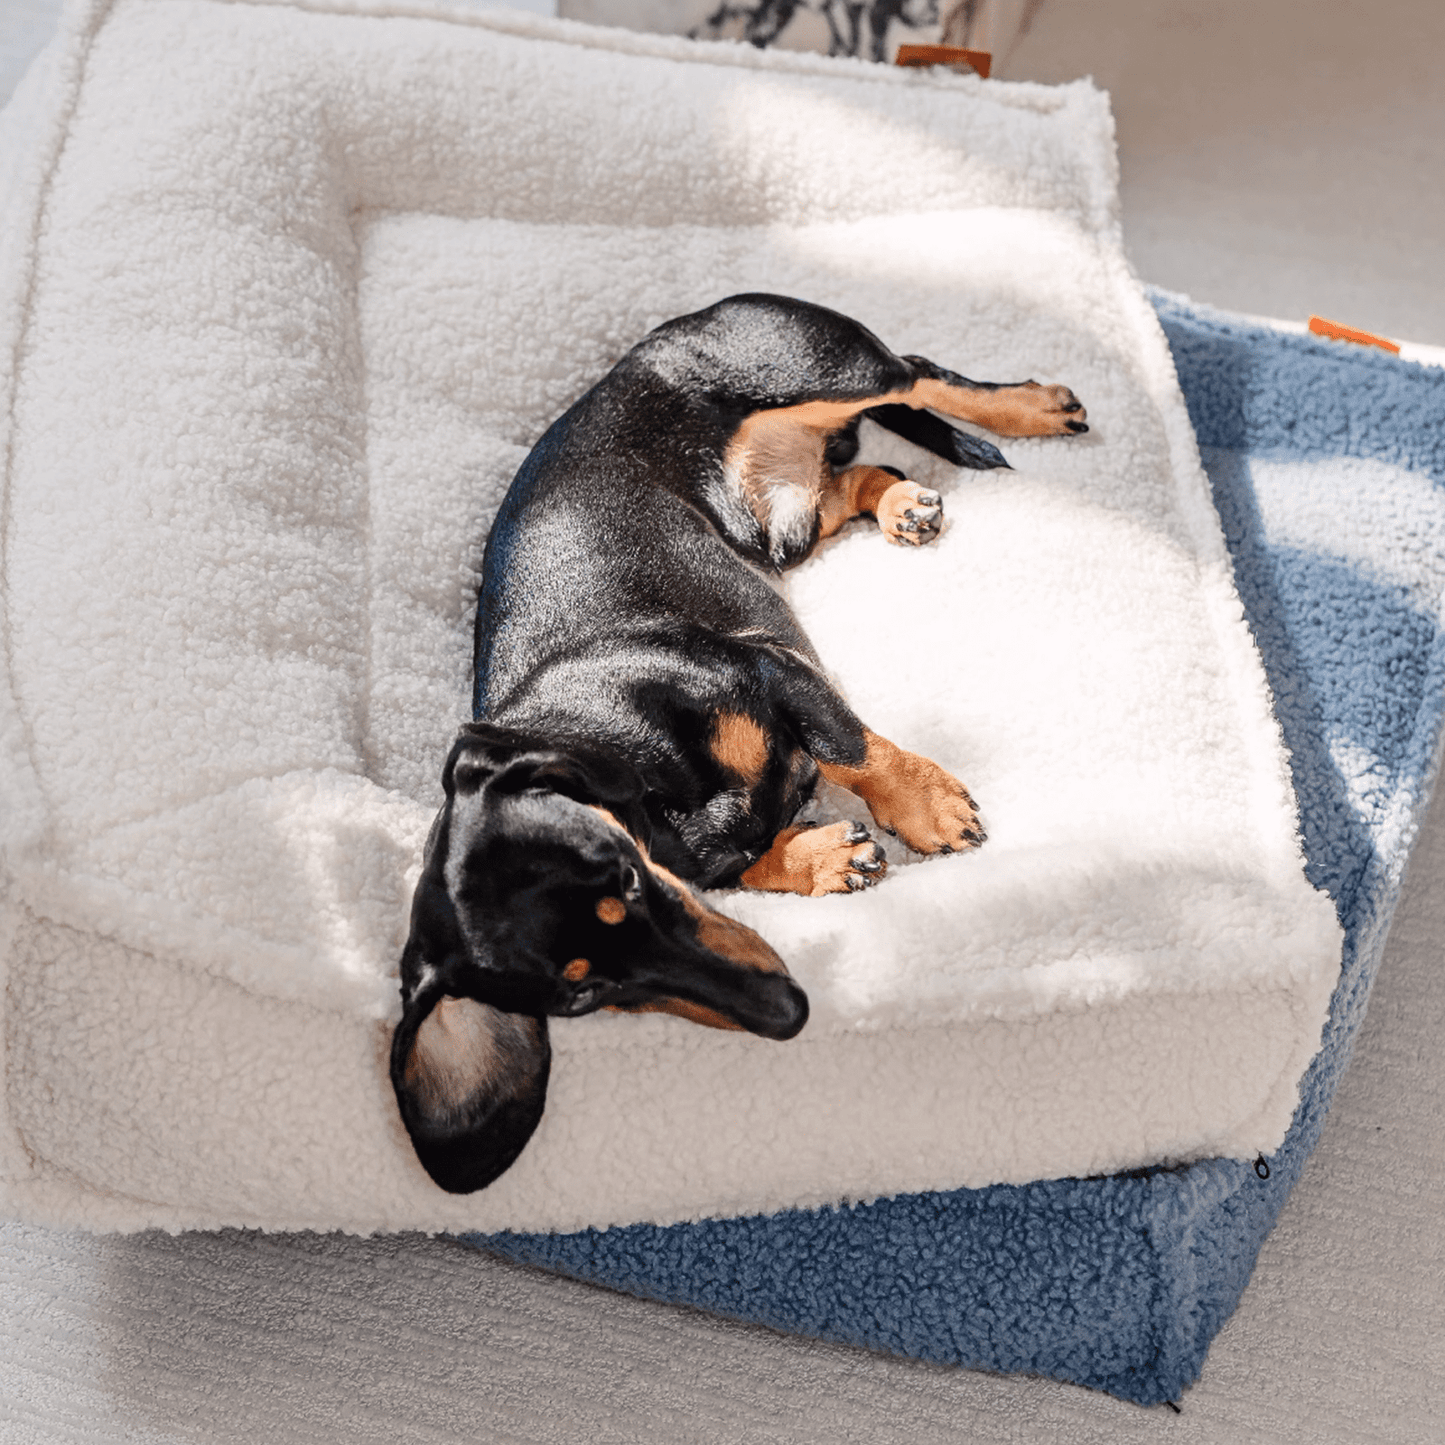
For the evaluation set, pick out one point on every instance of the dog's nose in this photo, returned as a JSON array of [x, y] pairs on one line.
[[779, 1007]]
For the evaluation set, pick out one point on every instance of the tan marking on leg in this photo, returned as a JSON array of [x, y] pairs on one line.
[[776, 465], [1025, 410], [740, 745], [816, 861], [775, 460], [577, 970], [910, 795], [785, 444], [611, 910], [780, 444], [820, 416], [850, 493]]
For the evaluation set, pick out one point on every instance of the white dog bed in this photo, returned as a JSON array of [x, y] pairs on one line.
[[289, 293]]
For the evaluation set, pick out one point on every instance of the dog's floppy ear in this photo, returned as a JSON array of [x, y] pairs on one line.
[[470, 1079], [471, 1083], [480, 750]]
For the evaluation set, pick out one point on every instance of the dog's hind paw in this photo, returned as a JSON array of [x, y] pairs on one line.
[[909, 514], [1048, 411], [837, 858]]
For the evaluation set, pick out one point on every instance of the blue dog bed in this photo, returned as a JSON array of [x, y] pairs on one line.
[[1328, 467]]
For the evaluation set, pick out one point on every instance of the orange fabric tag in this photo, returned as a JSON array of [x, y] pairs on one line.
[[980, 60], [1321, 327]]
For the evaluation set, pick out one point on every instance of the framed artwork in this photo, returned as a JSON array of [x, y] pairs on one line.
[[869, 29]]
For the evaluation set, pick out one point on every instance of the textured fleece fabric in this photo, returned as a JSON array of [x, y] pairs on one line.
[[1328, 465], [288, 293]]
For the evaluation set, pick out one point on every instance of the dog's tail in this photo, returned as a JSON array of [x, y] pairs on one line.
[[935, 435]]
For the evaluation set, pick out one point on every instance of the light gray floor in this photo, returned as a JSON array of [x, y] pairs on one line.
[[1277, 158]]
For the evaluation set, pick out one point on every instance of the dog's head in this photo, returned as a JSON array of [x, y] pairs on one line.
[[537, 897]]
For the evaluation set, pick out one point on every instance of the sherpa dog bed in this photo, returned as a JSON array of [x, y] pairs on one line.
[[286, 297], [293, 300]]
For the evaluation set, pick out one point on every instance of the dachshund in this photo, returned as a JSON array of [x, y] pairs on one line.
[[650, 716]]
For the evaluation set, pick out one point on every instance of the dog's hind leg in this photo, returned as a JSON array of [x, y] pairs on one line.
[[1008, 409], [906, 512], [935, 435]]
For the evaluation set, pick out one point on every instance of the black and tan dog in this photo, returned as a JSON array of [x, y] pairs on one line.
[[652, 717]]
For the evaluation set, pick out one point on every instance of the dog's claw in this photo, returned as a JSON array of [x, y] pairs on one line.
[[1077, 427]]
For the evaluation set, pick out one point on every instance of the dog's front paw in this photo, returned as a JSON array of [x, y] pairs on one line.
[[909, 514], [838, 858], [851, 862], [928, 808]]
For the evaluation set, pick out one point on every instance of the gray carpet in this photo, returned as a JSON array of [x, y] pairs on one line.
[[1269, 165]]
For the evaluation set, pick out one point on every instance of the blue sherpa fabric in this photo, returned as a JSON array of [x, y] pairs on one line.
[[1328, 467]]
